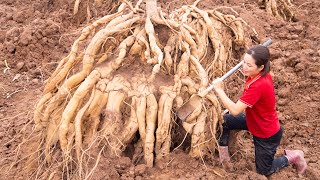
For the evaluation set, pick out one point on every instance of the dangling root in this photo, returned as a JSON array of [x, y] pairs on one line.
[[92, 115], [163, 133], [151, 118], [113, 122], [130, 128], [38, 113], [154, 48], [78, 124], [73, 104], [198, 136], [61, 71], [52, 135]]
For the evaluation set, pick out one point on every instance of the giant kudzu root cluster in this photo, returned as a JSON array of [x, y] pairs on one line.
[[122, 83], [278, 8]]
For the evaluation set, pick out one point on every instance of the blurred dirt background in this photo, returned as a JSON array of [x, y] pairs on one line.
[[35, 35]]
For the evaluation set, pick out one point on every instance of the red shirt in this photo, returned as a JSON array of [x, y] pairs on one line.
[[261, 115]]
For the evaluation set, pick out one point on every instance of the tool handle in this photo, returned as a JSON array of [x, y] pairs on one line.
[[267, 43], [231, 71]]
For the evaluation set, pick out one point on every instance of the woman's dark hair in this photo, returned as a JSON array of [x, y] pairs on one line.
[[261, 55]]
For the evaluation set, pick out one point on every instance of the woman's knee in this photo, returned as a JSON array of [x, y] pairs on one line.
[[234, 122]]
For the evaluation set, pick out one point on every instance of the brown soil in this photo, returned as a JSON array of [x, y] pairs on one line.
[[36, 35]]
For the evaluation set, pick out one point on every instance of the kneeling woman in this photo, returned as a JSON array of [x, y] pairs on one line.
[[260, 117]]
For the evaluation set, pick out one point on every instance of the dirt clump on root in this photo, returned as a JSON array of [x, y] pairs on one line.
[[36, 35]]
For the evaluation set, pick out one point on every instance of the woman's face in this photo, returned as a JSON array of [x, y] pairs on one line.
[[249, 67]]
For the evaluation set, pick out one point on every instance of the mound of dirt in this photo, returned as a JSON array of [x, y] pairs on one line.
[[36, 35]]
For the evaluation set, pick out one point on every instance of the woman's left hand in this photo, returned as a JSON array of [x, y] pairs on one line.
[[218, 84]]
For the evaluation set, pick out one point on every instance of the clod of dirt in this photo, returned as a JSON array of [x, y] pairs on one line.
[[299, 67], [313, 32], [140, 169], [308, 52], [26, 36], [12, 34], [36, 72], [292, 60], [275, 53], [315, 75], [253, 175], [2, 36], [163, 176], [11, 48], [195, 164], [284, 92], [124, 163], [282, 102], [20, 65], [21, 16], [298, 28], [35, 81], [293, 37], [181, 166]]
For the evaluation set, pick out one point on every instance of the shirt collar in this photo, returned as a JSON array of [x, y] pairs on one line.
[[250, 80]]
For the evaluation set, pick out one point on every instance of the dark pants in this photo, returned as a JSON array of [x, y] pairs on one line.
[[265, 148]]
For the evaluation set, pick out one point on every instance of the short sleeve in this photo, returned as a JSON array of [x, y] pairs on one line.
[[251, 95]]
